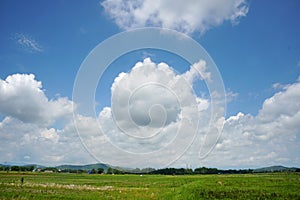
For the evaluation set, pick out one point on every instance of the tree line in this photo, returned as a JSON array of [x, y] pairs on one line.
[[111, 170], [26, 168], [201, 170]]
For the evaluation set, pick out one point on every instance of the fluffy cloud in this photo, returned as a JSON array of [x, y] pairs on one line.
[[198, 70], [22, 97], [152, 93], [147, 88], [31, 143], [269, 138], [154, 112], [186, 16], [282, 107], [28, 131]]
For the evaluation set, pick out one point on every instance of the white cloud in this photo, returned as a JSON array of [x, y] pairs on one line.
[[28, 133], [198, 70], [147, 87], [22, 97], [185, 16], [28, 43], [50, 134], [155, 106], [32, 143], [235, 117], [230, 96], [269, 138], [277, 86], [283, 105]]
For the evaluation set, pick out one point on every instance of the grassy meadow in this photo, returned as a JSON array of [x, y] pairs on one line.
[[95, 186]]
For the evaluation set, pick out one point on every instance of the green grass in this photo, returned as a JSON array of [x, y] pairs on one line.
[[84, 186]]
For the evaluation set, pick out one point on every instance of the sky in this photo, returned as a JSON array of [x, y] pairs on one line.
[[237, 106]]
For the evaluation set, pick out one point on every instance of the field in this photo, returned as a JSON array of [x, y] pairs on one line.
[[85, 186]]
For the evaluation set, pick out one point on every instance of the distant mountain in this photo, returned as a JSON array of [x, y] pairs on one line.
[[83, 167], [278, 168]]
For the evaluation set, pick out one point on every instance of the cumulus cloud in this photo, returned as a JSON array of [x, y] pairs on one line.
[[153, 111], [22, 97], [185, 16], [28, 43], [147, 88], [268, 138], [283, 106], [31, 143], [28, 131], [198, 71]]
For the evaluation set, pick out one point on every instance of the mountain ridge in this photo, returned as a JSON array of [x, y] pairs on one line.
[[276, 168]]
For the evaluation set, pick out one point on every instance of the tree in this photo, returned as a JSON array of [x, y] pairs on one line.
[[15, 168], [109, 170], [188, 171], [100, 170], [147, 170], [22, 168], [202, 170], [118, 171], [30, 168]]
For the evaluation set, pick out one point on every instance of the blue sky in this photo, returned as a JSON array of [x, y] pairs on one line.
[[257, 54], [264, 46], [262, 50]]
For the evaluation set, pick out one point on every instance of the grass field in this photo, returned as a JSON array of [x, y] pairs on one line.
[[84, 186]]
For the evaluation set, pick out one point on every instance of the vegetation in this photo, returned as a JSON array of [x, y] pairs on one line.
[[25, 168], [202, 170], [42, 185], [103, 168]]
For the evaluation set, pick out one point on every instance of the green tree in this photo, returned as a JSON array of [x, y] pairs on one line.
[[30, 168], [109, 170], [188, 171], [15, 168], [117, 171], [22, 168], [100, 170]]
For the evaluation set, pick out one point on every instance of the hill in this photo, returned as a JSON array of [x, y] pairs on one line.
[[277, 168], [83, 167]]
